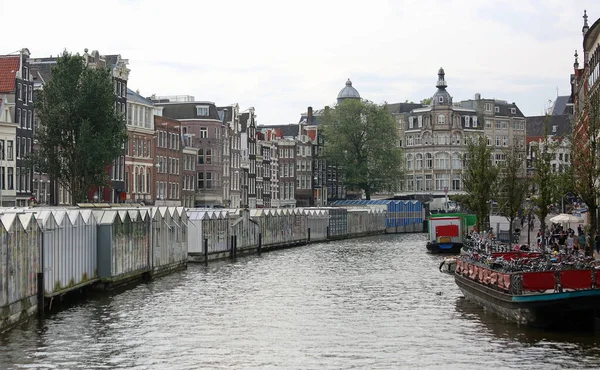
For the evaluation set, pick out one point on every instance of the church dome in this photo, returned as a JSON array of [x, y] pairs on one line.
[[348, 92], [441, 96]]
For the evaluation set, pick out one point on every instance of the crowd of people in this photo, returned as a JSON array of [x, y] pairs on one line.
[[558, 238]]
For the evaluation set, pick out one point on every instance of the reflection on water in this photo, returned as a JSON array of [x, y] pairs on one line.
[[367, 303]]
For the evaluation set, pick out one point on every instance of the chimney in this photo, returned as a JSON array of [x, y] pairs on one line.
[[477, 96], [309, 116]]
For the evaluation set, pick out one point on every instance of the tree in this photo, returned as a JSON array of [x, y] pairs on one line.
[[362, 138], [426, 101], [512, 186], [584, 155], [543, 180], [479, 179], [81, 132]]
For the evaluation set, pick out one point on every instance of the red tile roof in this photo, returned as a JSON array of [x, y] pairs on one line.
[[9, 66]]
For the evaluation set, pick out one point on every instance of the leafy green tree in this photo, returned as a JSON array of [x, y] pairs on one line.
[[512, 185], [426, 101], [584, 154], [81, 132], [362, 138], [543, 180], [479, 177]]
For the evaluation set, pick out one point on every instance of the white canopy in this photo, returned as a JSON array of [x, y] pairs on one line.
[[565, 218]]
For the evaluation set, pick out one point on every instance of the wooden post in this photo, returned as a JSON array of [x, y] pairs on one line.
[[206, 250], [259, 244]]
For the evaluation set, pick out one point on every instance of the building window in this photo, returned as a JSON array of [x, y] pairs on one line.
[[419, 162], [442, 181], [9, 150], [200, 180], [200, 156], [554, 128], [441, 99], [428, 182], [456, 162], [409, 162], [455, 182], [420, 121], [410, 122], [428, 161], [208, 156], [209, 180], [442, 161], [441, 119], [10, 178], [467, 123], [202, 110], [474, 121], [203, 132], [513, 110], [497, 109], [488, 107]]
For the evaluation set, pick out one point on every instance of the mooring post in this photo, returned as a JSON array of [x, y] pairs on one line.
[[232, 250], [40, 280], [327, 232], [259, 250], [235, 246], [308, 238], [206, 250]]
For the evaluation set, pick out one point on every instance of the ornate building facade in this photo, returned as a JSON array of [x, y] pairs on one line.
[[434, 138]]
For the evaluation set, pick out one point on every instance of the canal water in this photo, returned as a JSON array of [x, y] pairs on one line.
[[371, 303]]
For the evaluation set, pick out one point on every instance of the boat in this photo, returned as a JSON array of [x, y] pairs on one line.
[[558, 291], [446, 232]]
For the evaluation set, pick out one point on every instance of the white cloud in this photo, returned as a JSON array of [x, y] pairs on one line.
[[281, 57]]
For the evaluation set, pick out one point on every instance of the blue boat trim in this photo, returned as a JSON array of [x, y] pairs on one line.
[[556, 296]]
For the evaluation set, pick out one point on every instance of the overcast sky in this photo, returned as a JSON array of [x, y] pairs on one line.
[[282, 56]]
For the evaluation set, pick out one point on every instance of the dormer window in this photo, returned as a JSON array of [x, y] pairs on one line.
[[202, 110], [513, 110], [441, 99], [554, 128], [497, 109]]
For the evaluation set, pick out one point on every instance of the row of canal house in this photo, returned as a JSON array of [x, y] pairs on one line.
[[180, 151]]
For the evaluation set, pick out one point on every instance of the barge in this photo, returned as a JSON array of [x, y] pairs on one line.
[[446, 232], [547, 298]]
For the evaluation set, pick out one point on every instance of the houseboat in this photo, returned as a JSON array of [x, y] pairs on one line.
[[532, 288]]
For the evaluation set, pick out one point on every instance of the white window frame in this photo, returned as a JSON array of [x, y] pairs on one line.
[[202, 110]]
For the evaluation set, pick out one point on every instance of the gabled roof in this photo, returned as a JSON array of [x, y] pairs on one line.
[[560, 104], [187, 110], [9, 67], [41, 69], [505, 109], [283, 131], [132, 96], [536, 126]]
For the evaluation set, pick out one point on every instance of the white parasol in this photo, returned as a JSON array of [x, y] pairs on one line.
[[565, 218]]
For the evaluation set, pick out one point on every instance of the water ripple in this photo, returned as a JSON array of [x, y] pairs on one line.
[[367, 303]]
